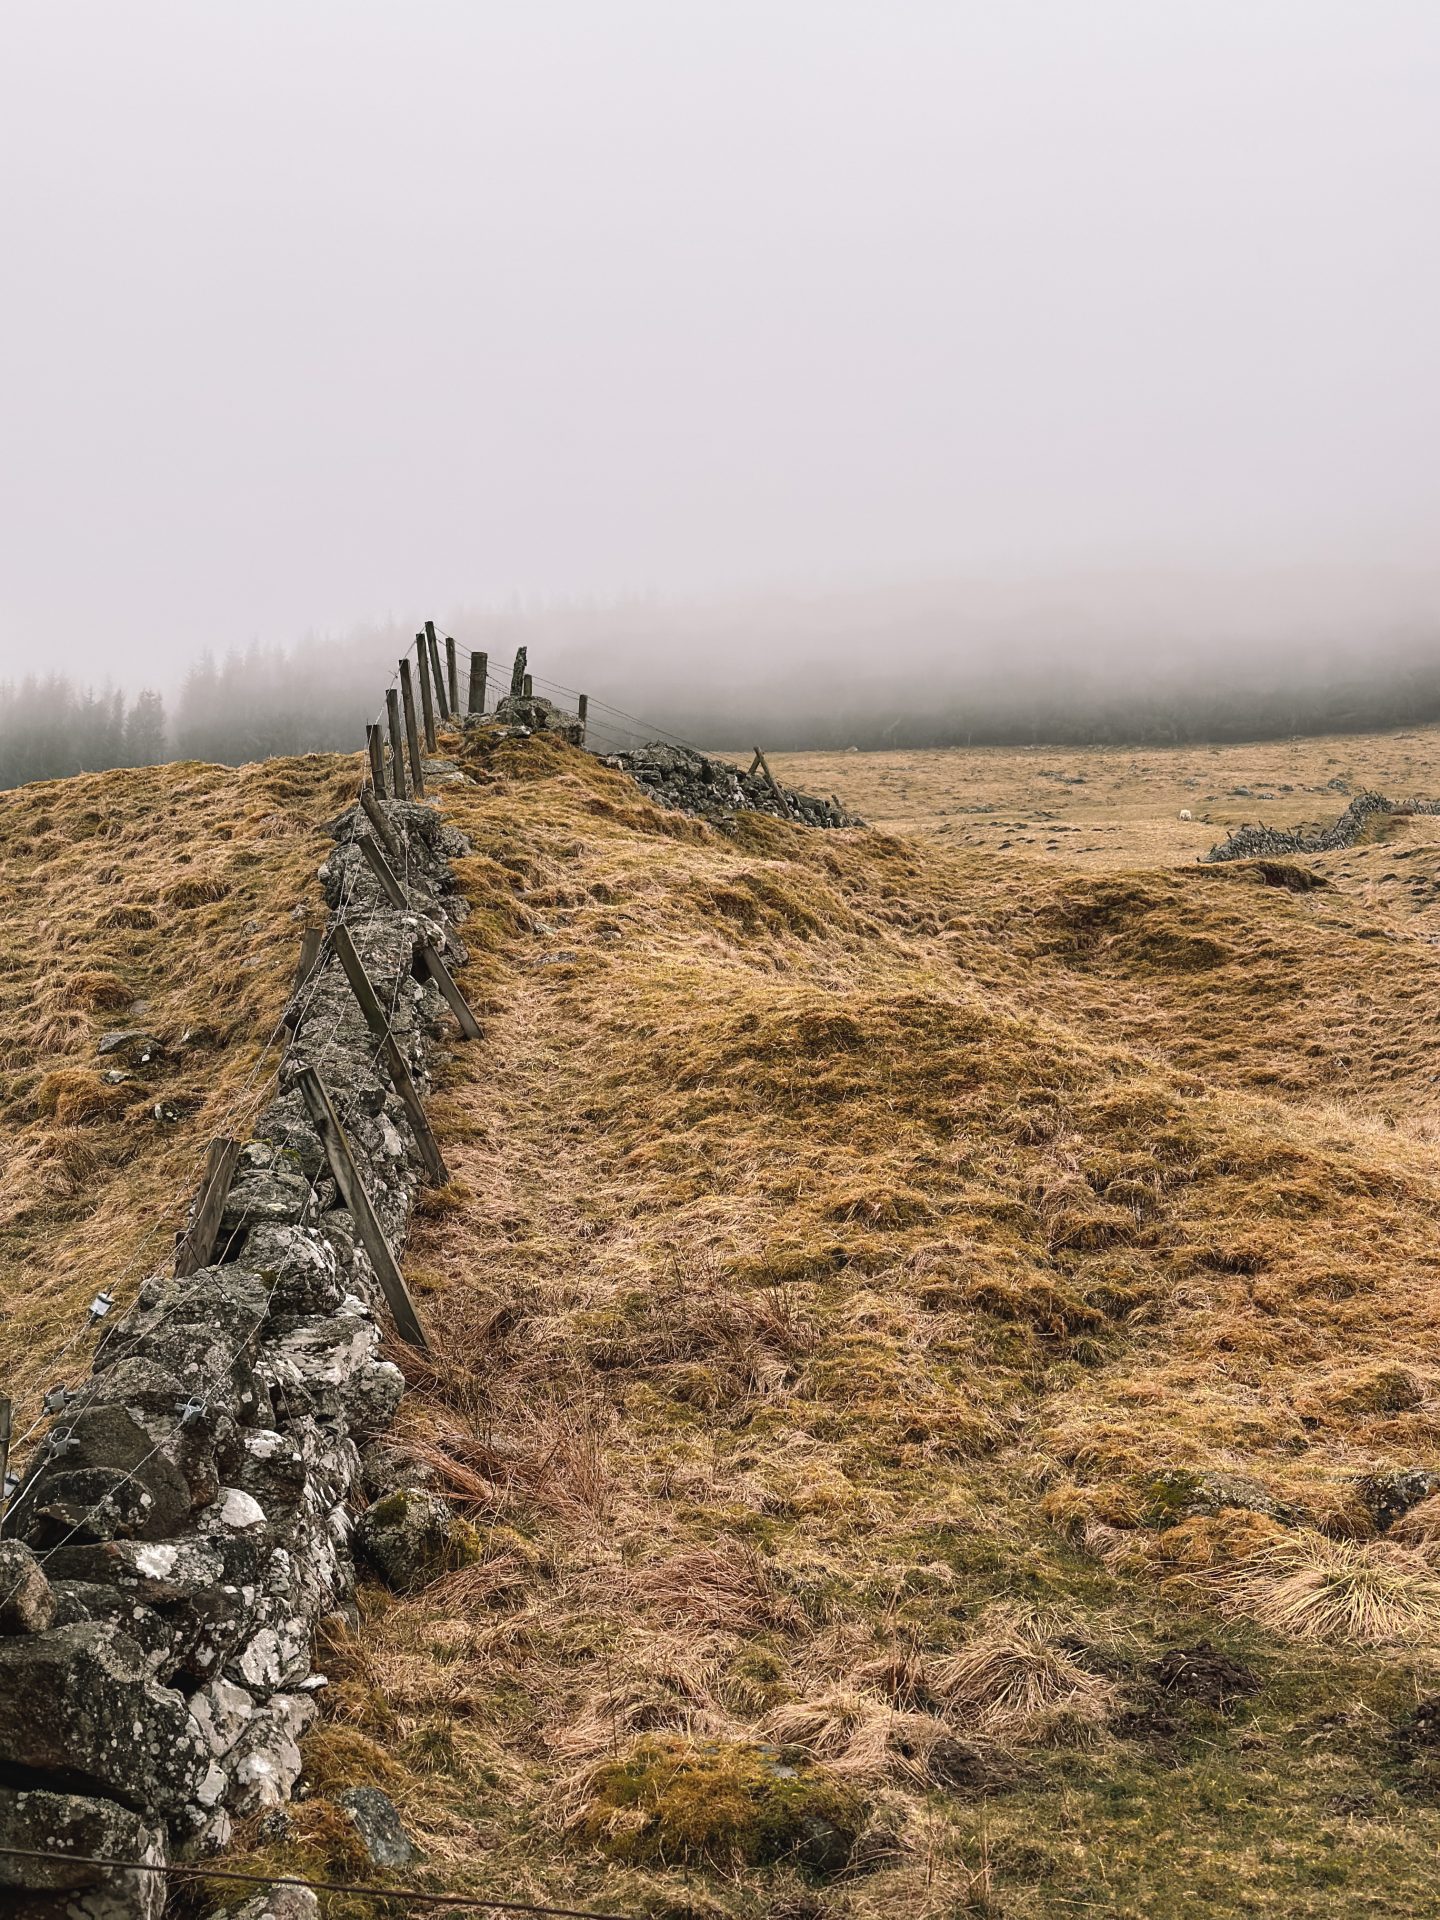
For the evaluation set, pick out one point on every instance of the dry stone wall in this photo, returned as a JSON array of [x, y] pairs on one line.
[[1272, 843], [186, 1524]]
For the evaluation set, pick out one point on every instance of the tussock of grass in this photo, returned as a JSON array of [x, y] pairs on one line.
[[1310, 1588]]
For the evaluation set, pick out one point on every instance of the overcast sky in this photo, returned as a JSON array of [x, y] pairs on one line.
[[321, 310]]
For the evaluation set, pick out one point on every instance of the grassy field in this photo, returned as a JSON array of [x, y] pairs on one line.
[[926, 1329], [929, 1333]]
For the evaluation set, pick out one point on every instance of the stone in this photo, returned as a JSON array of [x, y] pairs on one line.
[[265, 1762], [1184, 1493], [27, 1600], [283, 1902], [377, 1821], [1390, 1494], [131, 1044], [221, 1711], [101, 1479], [79, 1702], [64, 1822], [152, 1572], [411, 1537], [269, 1196], [692, 782]]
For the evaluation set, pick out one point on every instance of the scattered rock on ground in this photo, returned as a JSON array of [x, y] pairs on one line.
[[411, 1537], [377, 1821]]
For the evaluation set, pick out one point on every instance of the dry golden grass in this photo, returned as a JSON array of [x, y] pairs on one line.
[[874, 1249], [161, 899], [897, 1289]]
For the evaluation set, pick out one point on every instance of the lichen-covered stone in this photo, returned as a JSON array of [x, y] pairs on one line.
[[411, 1537], [27, 1601], [377, 1821], [79, 1703]]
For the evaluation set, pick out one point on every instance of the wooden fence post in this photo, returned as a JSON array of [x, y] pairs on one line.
[[352, 1192], [427, 698], [407, 696], [479, 662], [310, 944], [582, 709], [376, 751], [517, 674], [369, 1003], [459, 1005], [432, 647], [4, 1456], [397, 746], [389, 885], [197, 1243], [452, 674], [771, 782], [528, 687], [384, 832]]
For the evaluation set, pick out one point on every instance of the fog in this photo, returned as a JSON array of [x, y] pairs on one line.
[[798, 365]]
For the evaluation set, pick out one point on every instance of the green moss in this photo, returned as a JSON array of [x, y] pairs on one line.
[[721, 1805]]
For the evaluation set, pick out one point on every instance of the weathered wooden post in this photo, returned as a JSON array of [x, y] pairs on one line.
[[427, 698], [4, 1456], [582, 709], [479, 663], [528, 687], [352, 1192], [384, 832], [197, 1243], [380, 867], [412, 734], [452, 674], [459, 1005], [432, 647], [397, 746], [311, 942], [376, 750], [369, 1003], [517, 675]]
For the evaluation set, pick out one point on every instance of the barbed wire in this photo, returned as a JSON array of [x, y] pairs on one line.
[[369, 1890]]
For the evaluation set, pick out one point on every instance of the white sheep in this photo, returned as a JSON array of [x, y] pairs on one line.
[[1186, 814]]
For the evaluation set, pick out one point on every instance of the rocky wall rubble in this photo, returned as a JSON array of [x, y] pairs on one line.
[[693, 782], [184, 1526], [1268, 843]]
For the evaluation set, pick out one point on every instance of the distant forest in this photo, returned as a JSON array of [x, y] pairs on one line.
[[777, 675]]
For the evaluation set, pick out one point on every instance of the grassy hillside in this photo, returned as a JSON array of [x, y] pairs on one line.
[[921, 1330], [156, 899], [928, 1331]]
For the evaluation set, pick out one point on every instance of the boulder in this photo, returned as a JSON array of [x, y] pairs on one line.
[[27, 1602], [1390, 1494], [79, 1702], [40, 1821], [377, 1821], [411, 1537]]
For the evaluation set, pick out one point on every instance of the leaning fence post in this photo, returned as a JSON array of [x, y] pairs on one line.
[[389, 885], [476, 701], [4, 1456], [459, 1005], [582, 710], [352, 1192], [397, 746], [369, 1003], [452, 674], [432, 646], [412, 735], [197, 1242], [377, 758], [427, 698], [384, 832]]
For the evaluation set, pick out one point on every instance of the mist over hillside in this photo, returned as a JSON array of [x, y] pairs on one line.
[[1081, 662]]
